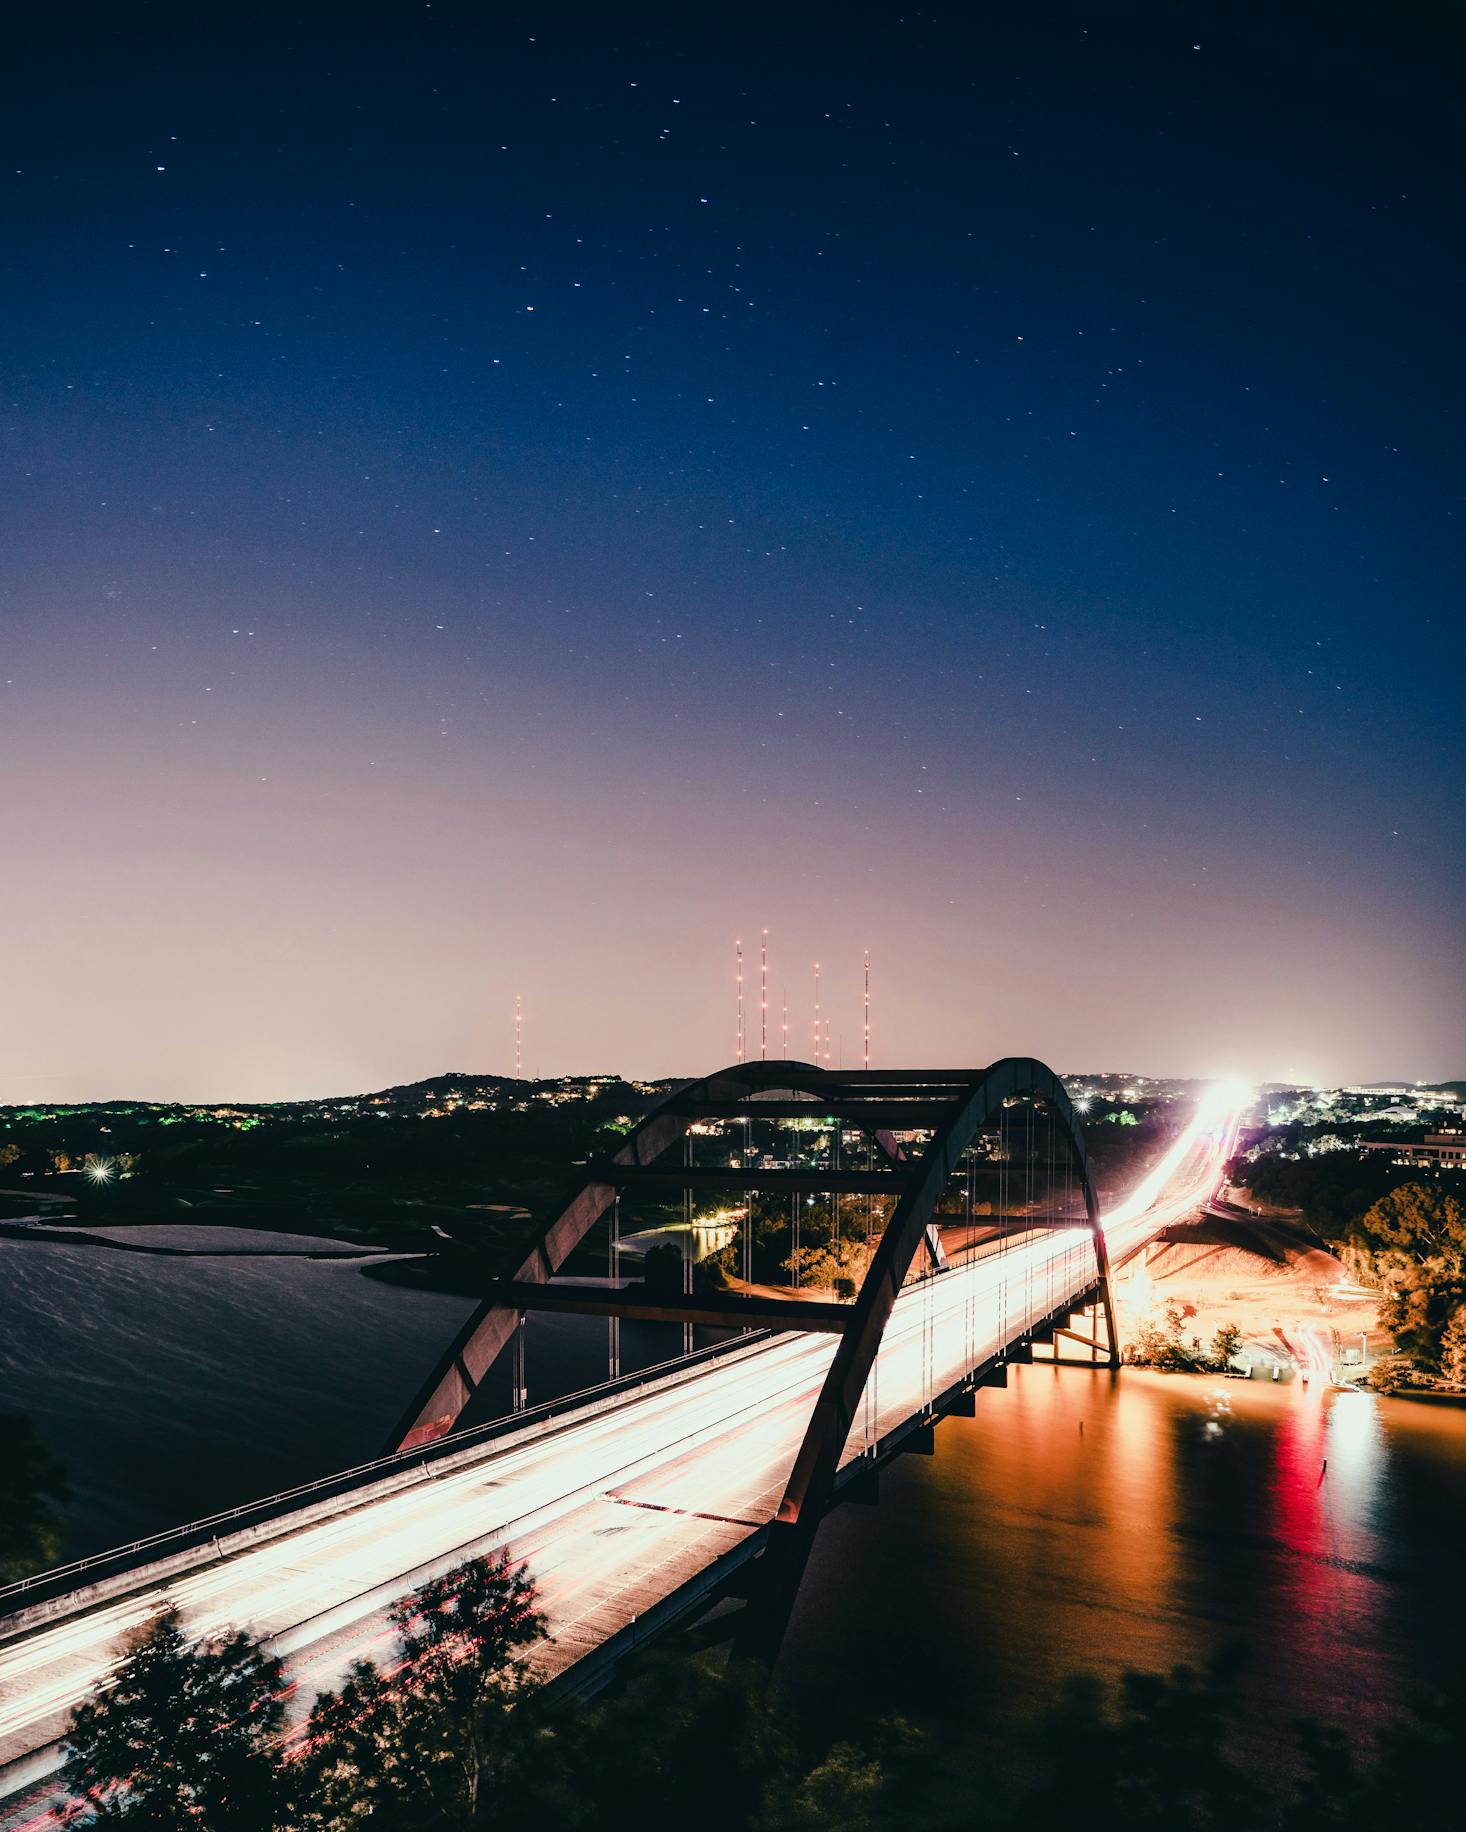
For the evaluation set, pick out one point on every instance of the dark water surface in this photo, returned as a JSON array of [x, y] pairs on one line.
[[1186, 1512], [174, 1387]]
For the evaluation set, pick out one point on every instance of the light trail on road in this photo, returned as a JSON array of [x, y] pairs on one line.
[[614, 1511]]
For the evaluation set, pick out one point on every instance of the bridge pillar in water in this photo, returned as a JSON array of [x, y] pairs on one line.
[[1086, 1340]]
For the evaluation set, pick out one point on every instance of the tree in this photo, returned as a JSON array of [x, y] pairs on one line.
[[662, 1270], [1413, 1247], [356, 1761], [1453, 1348], [1416, 1767], [677, 1742], [462, 1636], [1157, 1761], [443, 1733], [845, 1790], [32, 1483], [1154, 1347], [1177, 1314], [184, 1738], [9, 1154], [1226, 1343], [834, 1264], [862, 1786]]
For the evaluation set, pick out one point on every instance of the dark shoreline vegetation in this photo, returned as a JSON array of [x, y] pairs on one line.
[[454, 1731], [33, 1490]]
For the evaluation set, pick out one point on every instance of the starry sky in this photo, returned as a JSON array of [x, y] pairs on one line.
[[506, 500]]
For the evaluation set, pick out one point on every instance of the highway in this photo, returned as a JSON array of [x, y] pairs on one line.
[[615, 1509]]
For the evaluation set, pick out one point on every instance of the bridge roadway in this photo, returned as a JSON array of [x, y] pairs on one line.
[[625, 1512]]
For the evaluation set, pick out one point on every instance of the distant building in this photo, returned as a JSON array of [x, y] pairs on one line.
[[1447, 1148], [1422, 1096]]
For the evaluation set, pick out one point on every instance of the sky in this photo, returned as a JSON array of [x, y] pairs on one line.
[[507, 501]]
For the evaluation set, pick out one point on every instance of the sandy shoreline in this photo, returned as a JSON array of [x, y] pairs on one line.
[[1296, 1306]]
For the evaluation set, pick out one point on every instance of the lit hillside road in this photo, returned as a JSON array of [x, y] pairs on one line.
[[616, 1508]]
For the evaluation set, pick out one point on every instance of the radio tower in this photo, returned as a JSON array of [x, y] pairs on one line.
[[817, 1012], [518, 1037], [739, 946], [867, 1008], [785, 1044], [763, 1002]]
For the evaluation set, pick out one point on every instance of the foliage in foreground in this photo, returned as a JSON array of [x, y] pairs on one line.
[[447, 1729], [186, 1736], [454, 1734]]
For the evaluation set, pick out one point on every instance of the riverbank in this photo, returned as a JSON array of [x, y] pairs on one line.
[[1296, 1307]]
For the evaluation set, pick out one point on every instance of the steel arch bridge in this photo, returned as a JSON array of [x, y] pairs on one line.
[[947, 1108]]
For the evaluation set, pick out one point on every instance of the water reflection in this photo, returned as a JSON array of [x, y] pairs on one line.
[[1089, 1520]]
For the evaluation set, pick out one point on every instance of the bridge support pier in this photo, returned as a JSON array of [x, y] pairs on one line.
[[1094, 1346]]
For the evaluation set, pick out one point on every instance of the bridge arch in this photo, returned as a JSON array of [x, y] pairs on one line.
[[834, 1413], [953, 1106]]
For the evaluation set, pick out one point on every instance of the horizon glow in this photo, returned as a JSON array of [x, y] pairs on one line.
[[444, 566]]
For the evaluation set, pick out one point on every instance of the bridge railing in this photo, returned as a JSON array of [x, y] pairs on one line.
[[199, 1532]]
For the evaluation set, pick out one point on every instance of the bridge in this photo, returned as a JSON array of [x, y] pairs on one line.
[[692, 1489]]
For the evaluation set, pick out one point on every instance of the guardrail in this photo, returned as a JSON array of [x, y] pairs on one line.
[[63, 1577]]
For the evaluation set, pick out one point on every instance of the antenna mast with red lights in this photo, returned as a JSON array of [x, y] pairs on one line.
[[763, 1001], [867, 1008]]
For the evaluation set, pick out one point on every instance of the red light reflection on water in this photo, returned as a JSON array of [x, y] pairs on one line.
[[1325, 1489]]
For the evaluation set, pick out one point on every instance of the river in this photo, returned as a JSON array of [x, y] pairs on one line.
[[1088, 1520], [1079, 1520]]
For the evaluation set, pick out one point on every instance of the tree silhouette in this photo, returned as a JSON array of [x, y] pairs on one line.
[[462, 1641], [443, 1730], [185, 1737]]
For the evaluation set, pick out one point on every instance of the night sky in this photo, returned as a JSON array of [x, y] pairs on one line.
[[507, 500]]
